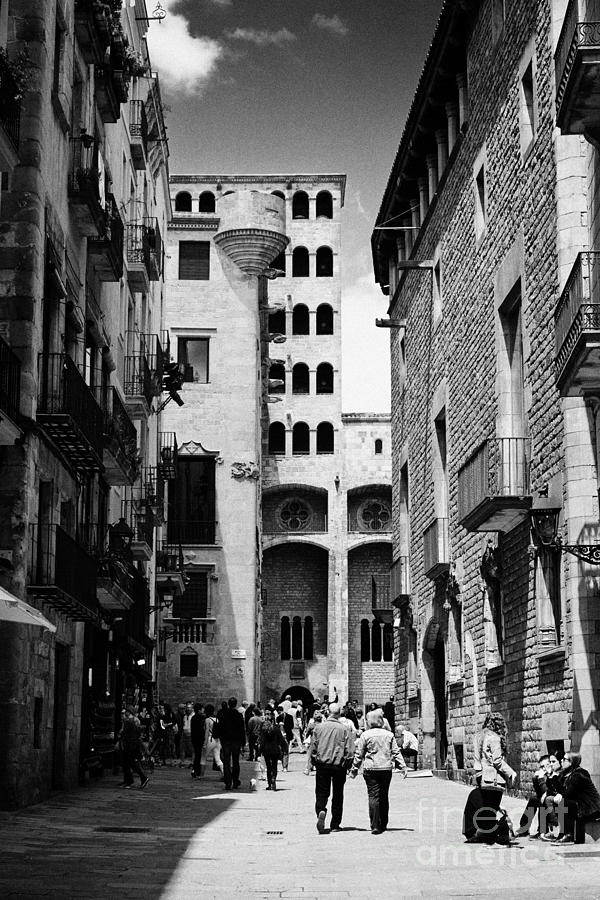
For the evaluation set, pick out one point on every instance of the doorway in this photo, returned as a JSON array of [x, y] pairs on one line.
[[441, 702], [297, 692], [59, 721]]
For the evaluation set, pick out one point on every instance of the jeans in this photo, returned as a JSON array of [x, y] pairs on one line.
[[252, 749], [378, 789], [330, 778], [230, 757], [185, 746], [271, 767], [131, 763]]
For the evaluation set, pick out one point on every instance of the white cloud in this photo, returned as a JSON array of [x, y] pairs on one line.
[[330, 23], [184, 63], [260, 37]]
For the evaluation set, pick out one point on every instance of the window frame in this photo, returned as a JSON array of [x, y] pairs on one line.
[[203, 264], [183, 357]]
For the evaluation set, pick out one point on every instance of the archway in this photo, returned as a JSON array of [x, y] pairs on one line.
[[297, 692], [434, 701]]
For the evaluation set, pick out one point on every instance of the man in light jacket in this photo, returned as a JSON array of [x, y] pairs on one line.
[[331, 750], [378, 751]]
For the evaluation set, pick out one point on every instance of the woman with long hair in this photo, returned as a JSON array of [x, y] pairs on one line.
[[272, 746], [578, 801], [482, 819]]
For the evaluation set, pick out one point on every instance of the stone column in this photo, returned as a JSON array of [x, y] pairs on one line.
[[409, 234], [441, 139], [423, 199], [452, 117], [432, 174], [463, 100]]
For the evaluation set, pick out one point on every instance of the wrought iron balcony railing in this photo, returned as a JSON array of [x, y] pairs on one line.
[[144, 365], [120, 456], [436, 549], [138, 257], [93, 27], [577, 327], [141, 524], [10, 381], [577, 66], [69, 412], [138, 133], [156, 248], [493, 485], [107, 250], [167, 454], [191, 532], [10, 104], [62, 572]]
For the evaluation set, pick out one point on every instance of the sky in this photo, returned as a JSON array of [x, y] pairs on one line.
[[287, 86]]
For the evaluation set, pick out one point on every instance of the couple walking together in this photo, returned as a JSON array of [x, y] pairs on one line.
[[335, 755]]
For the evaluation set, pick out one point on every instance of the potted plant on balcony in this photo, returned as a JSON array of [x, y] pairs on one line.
[[18, 70], [133, 63]]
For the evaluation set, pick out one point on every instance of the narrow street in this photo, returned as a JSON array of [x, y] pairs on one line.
[[181, 838]]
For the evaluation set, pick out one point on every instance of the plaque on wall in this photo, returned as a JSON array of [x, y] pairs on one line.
[[238, 654]]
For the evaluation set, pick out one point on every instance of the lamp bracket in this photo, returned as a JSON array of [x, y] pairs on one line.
[[589, 553]]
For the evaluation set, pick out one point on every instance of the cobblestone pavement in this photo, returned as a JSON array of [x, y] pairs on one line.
[[184, 838]]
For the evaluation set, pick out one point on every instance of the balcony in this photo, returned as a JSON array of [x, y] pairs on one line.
[[143, 373], [106, 251], [10, 394], [191, 533], [84, 187], [151, 492], [115, 583], [577, 329], [106, 94], [62, 573], [10, 117], [436, 550], [167, 454], [399, 580], [493, 486], [577, 72], [135, 515], [138, 134], [138, 257], [120, 452], [93, 26], [156, 248], [381, 600], [169, 569], [133, 630], [69, 413]]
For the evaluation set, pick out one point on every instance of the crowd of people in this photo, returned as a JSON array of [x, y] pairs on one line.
[[338, 741]]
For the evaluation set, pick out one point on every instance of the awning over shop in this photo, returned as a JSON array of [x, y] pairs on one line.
[[12, 609]]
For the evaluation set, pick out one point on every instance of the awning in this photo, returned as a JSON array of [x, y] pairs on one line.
[[14, 610]]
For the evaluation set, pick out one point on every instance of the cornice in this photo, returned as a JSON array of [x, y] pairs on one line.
[[305, 178], [194, 224]]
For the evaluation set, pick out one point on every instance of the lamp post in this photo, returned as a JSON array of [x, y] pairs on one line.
[[544, 515]]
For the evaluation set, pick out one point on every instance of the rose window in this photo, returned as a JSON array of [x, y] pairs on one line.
[[295, 515], [374, 516]]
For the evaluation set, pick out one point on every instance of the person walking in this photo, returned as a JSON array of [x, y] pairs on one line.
[[233, 740], [272, 746], [389, 711], [211, 750], [185, 738], [378, 752], [482, 821], [129, 739], [332, 751], [253, 727], [197, 734], [168, 724]]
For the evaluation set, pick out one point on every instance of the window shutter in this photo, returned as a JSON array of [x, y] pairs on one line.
[[194, 260]]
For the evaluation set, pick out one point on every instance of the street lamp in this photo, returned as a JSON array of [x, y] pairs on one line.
[[544, 515]]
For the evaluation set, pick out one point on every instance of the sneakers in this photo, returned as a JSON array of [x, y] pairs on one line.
[[565, 839], [548, 837], [376, 830], [144, 783], [321, 822], [334, 828]]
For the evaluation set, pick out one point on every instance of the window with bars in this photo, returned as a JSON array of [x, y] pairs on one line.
[[194, 260]]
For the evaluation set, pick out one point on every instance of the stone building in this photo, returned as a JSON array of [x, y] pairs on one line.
[[485, 244], [84, 202], [282, 505]]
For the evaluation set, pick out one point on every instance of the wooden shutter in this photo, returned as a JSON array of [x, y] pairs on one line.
[[194, 260]]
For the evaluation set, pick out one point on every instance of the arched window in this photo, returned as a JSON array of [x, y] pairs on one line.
[[308, 637], [279, 262], [324, 205], [277, 322], [296, 637], [324, 319], [325, 440], [375, 641], [300, 205], [277, 373], [324, 262], [183, 202], [206, 202], [301, 439], [300, 319], [300, 379], [388, 643], [365, 641], [276, 438], [286, 649], [378, 445], [278, 194], [300, 267], [324, 378]]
